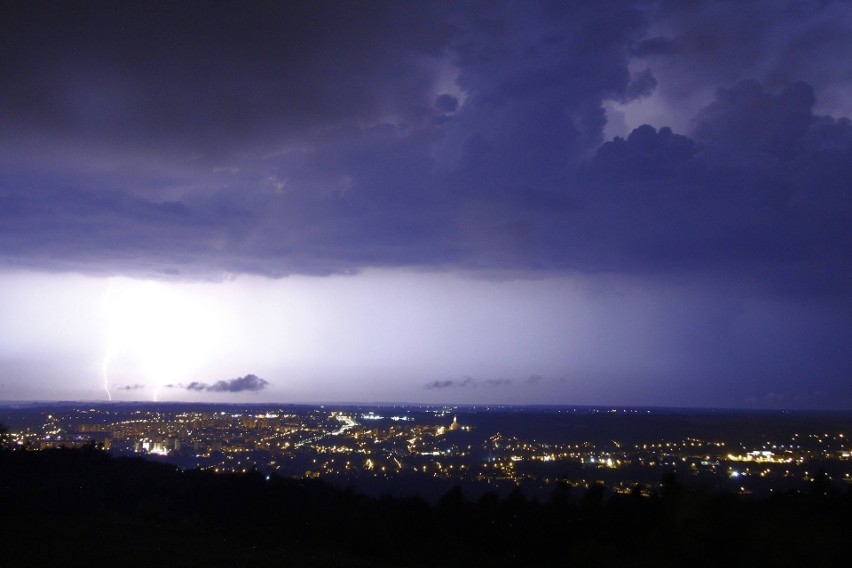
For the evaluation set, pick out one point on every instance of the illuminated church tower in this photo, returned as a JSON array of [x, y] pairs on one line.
[[455, 424]]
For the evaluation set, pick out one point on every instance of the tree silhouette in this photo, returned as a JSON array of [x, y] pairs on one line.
[[245, 519], [5, 438]]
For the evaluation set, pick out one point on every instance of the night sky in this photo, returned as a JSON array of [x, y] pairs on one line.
[[608, 203]]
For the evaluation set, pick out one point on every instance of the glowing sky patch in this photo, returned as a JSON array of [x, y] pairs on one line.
[[436, 338], [158, 334]]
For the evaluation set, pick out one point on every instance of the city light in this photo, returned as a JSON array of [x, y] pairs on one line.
[[330, 443]]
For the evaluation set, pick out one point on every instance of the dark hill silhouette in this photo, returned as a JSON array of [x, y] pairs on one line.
[[81, 507]]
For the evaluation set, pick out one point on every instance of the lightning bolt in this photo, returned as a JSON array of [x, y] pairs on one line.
[[105, 367], [109, 341]]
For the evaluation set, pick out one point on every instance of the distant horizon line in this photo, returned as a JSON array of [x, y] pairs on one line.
[[105, 402]]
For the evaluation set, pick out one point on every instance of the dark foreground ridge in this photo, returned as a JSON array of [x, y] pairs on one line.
[[82, 507]]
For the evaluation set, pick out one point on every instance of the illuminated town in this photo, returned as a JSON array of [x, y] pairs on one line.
[[622, 449]]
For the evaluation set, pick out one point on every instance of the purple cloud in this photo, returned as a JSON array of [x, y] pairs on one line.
[[467, 382], [248, 383]]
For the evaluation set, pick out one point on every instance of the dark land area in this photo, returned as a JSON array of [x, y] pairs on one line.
[[84, 507]]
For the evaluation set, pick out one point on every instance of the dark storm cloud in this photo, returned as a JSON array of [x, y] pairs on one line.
[[130, 387], [184, 139], [249, 383], [761, 191], [641, 85], [447, 103], [207, 80]]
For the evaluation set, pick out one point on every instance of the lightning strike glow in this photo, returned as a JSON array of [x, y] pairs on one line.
[[157, 335], [105, 373], [108, 351]]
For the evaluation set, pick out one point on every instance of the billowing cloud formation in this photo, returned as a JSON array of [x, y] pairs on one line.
[[694, 48], [248, 383], [326, 139], [759, 190]]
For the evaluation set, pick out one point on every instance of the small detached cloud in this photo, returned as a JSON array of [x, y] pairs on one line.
[[134, 387], [540, 380], [249, 383], [467, 382], [451, 383], [442, 384]]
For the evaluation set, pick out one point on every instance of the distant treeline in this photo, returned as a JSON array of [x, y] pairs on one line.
[[82, 507]]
